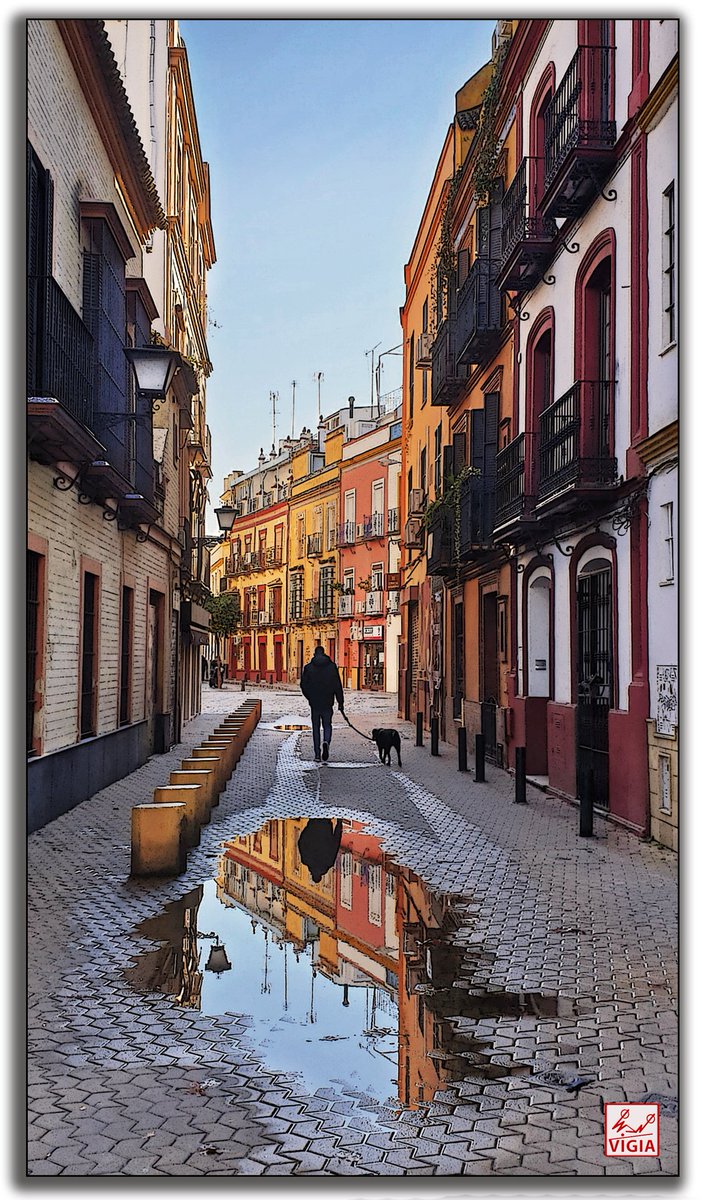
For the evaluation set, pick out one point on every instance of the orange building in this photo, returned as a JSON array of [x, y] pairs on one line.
[[426, 428]]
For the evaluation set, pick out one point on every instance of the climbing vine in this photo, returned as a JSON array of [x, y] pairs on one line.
[[450, 501], [487, 145]]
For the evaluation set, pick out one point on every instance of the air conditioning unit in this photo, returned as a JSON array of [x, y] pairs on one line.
[[416, 501], [422, 351], [414, 532]]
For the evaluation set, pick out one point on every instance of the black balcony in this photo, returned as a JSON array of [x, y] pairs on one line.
[[447, 378], [580, 135], [478, 317], [527, 237], [575, 436], [346, 534], [448, 546], [60, 350], [510, 472], [393, 520]]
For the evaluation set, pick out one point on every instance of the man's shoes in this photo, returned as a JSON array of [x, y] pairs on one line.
[[317, 758], [325, 751]]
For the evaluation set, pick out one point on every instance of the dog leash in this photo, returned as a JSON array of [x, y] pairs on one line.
[[363, 735]]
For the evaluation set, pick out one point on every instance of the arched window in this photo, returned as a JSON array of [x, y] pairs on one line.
[[539, 390], [594, 352]]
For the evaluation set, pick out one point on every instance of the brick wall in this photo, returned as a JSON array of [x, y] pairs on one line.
[[71, 530]]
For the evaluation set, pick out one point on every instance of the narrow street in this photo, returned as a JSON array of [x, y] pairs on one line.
[[559, 993]]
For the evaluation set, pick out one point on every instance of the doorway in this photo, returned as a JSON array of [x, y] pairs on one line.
[[594, 700], [490, 683]]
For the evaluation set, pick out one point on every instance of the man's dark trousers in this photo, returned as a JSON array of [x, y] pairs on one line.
[[323, 715]]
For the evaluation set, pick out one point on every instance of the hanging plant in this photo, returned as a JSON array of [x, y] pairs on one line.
[[450, 501], [487, 146]]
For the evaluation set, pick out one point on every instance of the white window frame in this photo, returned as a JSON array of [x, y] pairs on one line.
[[667, 514], [669, 297]]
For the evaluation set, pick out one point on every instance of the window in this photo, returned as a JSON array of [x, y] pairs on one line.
[[669, 265], [35, 579], [424, 387], [395, 430], [295, 596], [425, 315], [423, 469], [125, 661], [502, 627], [377, 577], [349, 582], [411, 378], [326, 594], [88, 681], [437, 460], [668, 544]]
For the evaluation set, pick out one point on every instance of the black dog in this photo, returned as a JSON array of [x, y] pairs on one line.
[[385, 739]]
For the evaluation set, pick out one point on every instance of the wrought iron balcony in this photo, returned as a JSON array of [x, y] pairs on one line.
[[527, 237], [479, 313], [449, 546], [314, 545], [393, 520], [372, 526], [447, 378], [579, 133], [347, 533], [513, 480], [575, 436], [274, 557], [60, 350]]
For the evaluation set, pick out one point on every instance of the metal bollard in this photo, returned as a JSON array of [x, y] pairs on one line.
[[520, 775], [435, 736], [587, 805], [479, 758], [420, 729], [462, 749]]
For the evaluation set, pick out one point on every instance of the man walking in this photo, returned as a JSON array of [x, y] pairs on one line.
[[321, 686]]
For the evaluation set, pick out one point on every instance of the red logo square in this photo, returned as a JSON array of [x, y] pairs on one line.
[[632, 1130]]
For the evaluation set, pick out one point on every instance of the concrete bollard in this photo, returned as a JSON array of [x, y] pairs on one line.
[[186, 794], [200, 760], [226, 749], [158, 842], [203, 781]]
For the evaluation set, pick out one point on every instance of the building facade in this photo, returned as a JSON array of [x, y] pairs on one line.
[[555, 358], [369, 526], [100, 566], [153, 62]]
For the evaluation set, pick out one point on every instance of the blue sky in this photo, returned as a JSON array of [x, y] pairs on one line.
[[322, 138]]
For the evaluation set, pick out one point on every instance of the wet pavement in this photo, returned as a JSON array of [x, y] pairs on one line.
[[363, 971]]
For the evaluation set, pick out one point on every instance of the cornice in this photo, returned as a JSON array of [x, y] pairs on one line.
[[97, 72], [651, 108]]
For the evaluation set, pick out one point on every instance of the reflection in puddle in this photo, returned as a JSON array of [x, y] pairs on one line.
[[342, 960]]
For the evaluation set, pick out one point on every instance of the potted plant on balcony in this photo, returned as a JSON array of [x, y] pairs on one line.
[[450, 501]]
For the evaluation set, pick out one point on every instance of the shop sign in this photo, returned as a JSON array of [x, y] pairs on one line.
[[392, 581], [373, 633]]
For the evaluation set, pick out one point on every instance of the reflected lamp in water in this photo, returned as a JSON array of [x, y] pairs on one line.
[[218, 960]]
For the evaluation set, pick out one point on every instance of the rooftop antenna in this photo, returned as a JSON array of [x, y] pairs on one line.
[[372, 381], [318, 377], [274, 401], [292, 422]]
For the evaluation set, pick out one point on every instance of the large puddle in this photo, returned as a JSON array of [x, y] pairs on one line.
[[341, 960]]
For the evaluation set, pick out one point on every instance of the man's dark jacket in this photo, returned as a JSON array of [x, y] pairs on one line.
[[321, 683]]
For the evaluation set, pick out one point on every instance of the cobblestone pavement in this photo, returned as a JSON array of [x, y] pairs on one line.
[[122, 1083]]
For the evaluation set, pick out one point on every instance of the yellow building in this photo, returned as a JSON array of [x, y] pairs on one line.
[[313, 566]]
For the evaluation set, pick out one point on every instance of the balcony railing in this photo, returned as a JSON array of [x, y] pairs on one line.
[[347, 533], [346, 604], [274, 557], [60, 350], [447, 378], [579, 133], [510, 468], [393, 520], [574, 440], [314, 545], [527, 237], [296, 608], [479, 312], [447, 546], [373, 526], [374, 602]]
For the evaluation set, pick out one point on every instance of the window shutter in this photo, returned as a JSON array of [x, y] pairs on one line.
[[463, 266], [459, 453], [477, 438], [448, 464], [483, 220], [491, 420]]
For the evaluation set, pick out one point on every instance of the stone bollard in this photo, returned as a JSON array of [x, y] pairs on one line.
[[158, 842], [225, 748], [200, 760], [186, 794], [203, 781]]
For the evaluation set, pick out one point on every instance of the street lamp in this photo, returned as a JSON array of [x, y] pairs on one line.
[[154, 369], [226, 516]]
